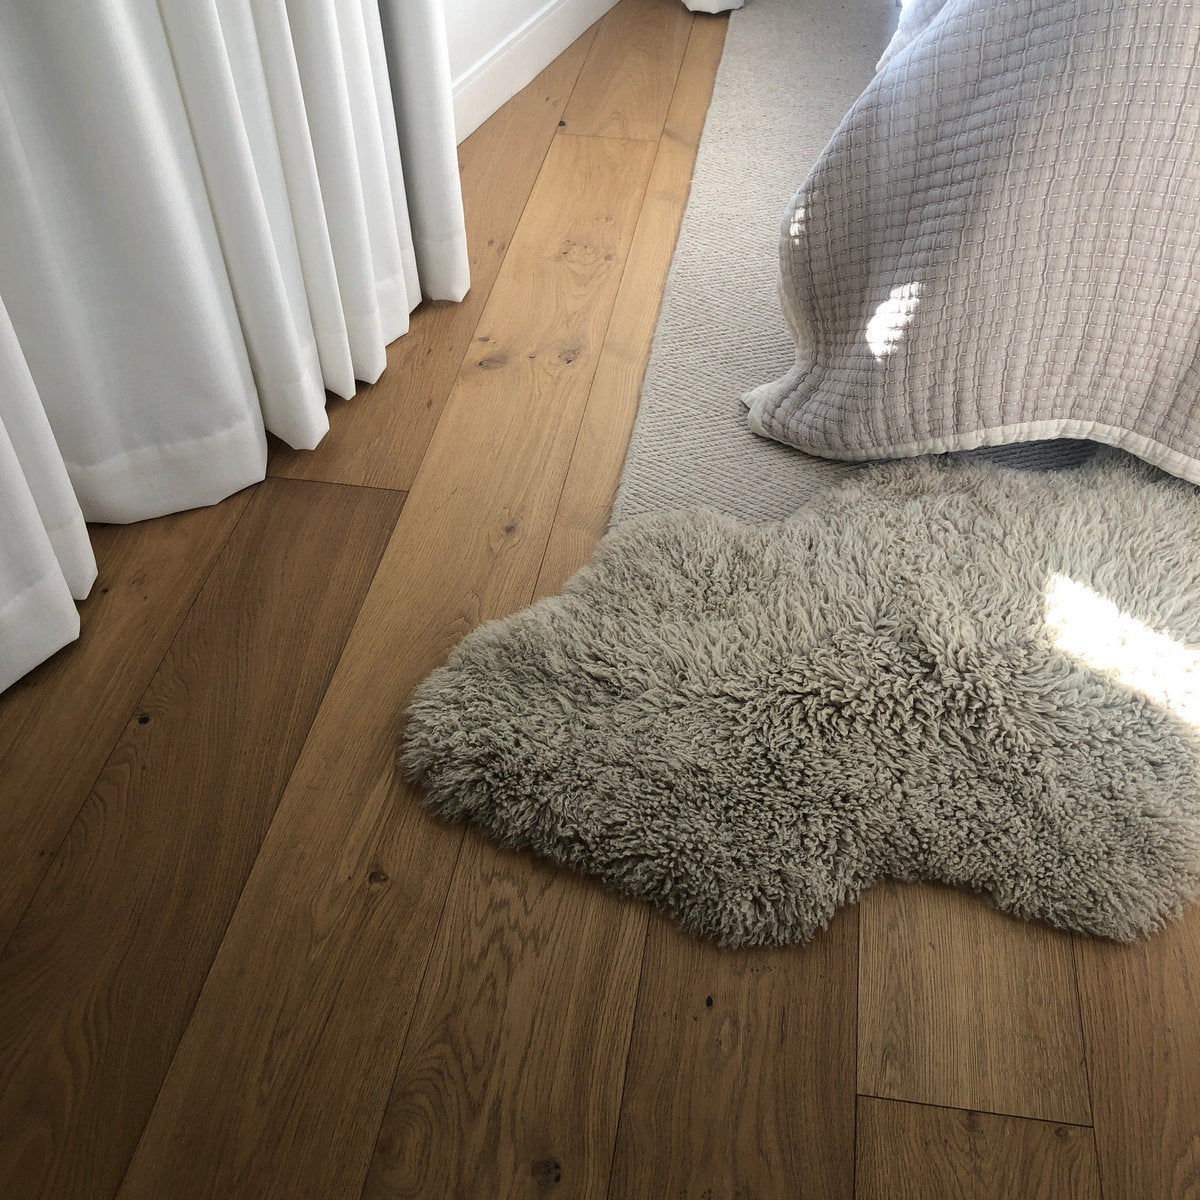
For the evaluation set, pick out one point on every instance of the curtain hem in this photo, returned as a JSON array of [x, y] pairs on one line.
[[156, 480]]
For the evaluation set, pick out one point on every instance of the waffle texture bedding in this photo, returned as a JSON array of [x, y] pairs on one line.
[[1001, 242]]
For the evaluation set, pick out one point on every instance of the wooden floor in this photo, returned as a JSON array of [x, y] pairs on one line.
[[240, 960]]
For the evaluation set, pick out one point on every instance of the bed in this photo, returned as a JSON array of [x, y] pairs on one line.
[[999, 242]]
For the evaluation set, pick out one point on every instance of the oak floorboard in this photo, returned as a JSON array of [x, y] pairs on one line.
[[60, 722], [915, 1152], [511, 1075], [1141, 1021], [963, 1006], [625, 87], [586, 503], [378, 437], [283, 1074], [99, 979], [353, 873], [740, 1079]]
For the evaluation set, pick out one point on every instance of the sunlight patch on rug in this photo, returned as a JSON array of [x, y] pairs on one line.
[[939, 670], [1093, 629]]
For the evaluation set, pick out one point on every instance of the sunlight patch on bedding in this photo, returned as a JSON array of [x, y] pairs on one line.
[[1091, 628], [885, 330]]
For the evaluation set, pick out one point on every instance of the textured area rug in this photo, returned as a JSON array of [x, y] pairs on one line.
[[789, 72], [939, 670]]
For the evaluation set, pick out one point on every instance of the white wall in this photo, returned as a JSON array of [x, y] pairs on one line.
[[498, 46]]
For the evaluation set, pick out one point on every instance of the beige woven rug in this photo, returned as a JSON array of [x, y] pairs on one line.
[[789, 73]]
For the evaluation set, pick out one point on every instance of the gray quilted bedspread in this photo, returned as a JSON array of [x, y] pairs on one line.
[[1001, 243]]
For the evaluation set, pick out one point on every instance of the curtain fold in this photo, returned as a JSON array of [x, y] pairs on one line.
[[425, 128], [209, 216], [45, 557]]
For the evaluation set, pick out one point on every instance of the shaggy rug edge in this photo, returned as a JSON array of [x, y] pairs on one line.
[[449, 794]]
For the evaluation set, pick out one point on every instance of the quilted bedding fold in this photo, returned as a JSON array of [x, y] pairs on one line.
[[1001, 242]]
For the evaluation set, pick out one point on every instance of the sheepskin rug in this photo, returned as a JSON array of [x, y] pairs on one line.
[[940, 670]]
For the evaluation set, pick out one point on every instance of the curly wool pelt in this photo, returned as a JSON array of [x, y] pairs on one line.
[[940, 670]]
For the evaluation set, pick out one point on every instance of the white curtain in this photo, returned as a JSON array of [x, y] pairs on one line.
[[211, 211]]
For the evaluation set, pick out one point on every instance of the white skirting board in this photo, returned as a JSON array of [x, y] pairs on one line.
[[485, 85]]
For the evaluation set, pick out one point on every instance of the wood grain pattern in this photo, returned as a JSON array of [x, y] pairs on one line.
[[1141, 1020], [323, 1006], [59, 723], [511, 1075], [511, 983], [378, 437], [375, 951], [913, 1152], [586, 502], [942, 1020], [625, 87], [103, 971], [740, 1073]]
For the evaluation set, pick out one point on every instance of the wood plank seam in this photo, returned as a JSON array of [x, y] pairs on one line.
[[1087, 1066], [917, 1151], [630, 328], [366, 487], [315, 483], [612, 311], [939, 1024], [604, 338], [601, 50], [1083, 1040], [985, 1111], [857, 1023], [856, 1149], [381, 434], [591, 33], [575, 82], [637, 1002], [666, 129], [517, 225], [1099, 1161]]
